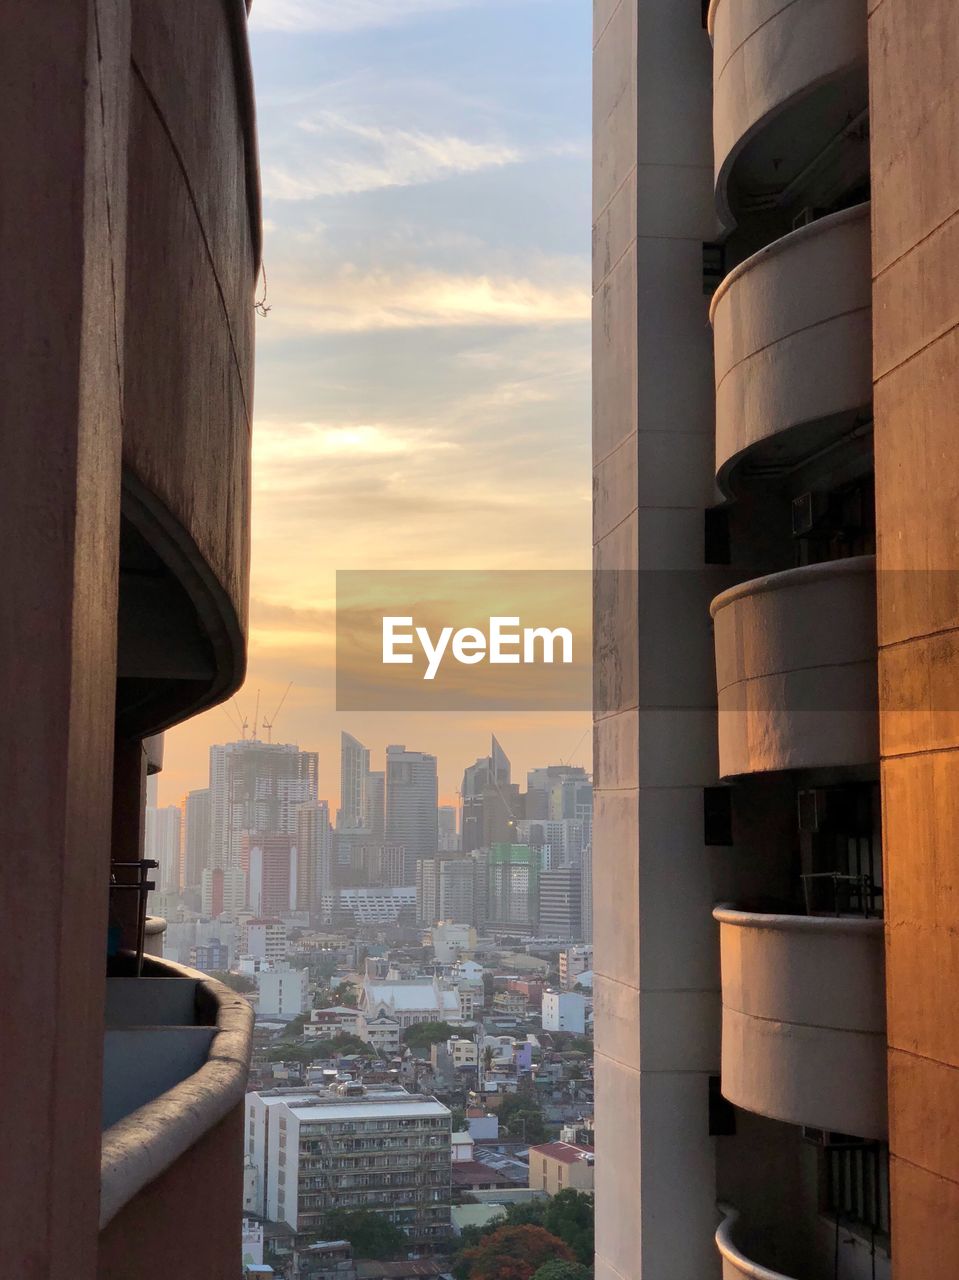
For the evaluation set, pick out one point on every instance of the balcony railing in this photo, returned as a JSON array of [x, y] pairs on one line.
[[735, 1263], [177, 1047], [804, 1019]]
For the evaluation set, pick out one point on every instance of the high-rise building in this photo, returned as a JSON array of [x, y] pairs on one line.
[[130, 230], [558, 791], [427, 889], [457, 899], [222, 891], [255, 789], [376, 803], [561, 903], [411, 805], [449, 840], [195, 820], [314, 863], [162, 843], [271, 866], [491, 803], [353, 813], [776, 321], [586, 910], [513, 879]]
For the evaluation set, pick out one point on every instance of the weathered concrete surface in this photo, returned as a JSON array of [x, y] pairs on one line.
[[914, 92]]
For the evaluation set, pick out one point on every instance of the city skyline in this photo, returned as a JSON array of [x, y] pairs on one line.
[[422, 383]]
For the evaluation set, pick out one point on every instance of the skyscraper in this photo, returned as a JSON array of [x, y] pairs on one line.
[[314, 846], [196, 828], [256, 789], [411, 805], [353, 813], [514, 878], [162, 843], [561, 904], [490, 802]]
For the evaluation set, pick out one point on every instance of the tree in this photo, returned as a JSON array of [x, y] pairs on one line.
[[423, 1034], [521, 1116], [557, 1269], [569, 1215], [371, 1234], [511, 1253], [238, 982]]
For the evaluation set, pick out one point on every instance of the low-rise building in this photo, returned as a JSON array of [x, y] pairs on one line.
[[573, 962], [564, 1011], [411, 1001], [354, 1148], [382, 1033], [559, 1166], [337, 1020], [284, 993]]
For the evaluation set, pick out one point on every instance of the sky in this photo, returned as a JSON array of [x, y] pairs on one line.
[[422, 374]]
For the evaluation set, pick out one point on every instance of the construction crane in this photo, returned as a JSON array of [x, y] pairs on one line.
[[268, 724]]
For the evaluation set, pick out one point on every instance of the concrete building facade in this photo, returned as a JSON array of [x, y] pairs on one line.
[[775, 310], [130, 227]]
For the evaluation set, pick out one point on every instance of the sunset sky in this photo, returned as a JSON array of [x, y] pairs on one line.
[[422, 393]]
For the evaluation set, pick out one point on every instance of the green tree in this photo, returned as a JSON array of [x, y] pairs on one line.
[[371, 1234], [557, 1269], [520, 1115], [423, 1034], [235, 981], [511, 1253], [569, 1215]]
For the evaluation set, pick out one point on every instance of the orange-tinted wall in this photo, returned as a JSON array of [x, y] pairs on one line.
[[188, 1222], [914, 90]]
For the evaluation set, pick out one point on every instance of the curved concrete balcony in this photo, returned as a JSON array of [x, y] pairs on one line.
[[192, 252], [804, 1019], [796, 669], [176, 1051], [735, 1263], [793, 346], [789, 77]]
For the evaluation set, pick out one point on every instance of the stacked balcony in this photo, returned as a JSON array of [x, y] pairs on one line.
[[801, 943]]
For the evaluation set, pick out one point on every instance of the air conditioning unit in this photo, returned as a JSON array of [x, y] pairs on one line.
[[807, 511], [811, 806]]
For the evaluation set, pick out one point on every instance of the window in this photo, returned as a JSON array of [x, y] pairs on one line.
[[714, 267], [717, 548], [854, 1184], [722, 1114], [717, 815]]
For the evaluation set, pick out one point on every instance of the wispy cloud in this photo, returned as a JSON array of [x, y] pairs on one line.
[[342, 15], [353, 301], [340, 156]]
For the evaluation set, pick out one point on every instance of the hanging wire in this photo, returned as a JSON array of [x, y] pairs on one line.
[[260, 305]]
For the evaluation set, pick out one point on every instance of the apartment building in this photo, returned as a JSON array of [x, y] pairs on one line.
[[573, 962], [131, 233], [776, 313], [561, 903], [377, 1149], [561, 1166]]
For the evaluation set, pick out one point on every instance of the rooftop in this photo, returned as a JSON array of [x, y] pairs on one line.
[[567, 1152]]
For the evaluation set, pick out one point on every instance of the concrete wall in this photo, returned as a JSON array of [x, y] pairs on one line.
[[98, 373], [804, 1020], [187, 1221], [657, 1007], [771, 52], [795, 692], [791, 327], [915, 172]]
